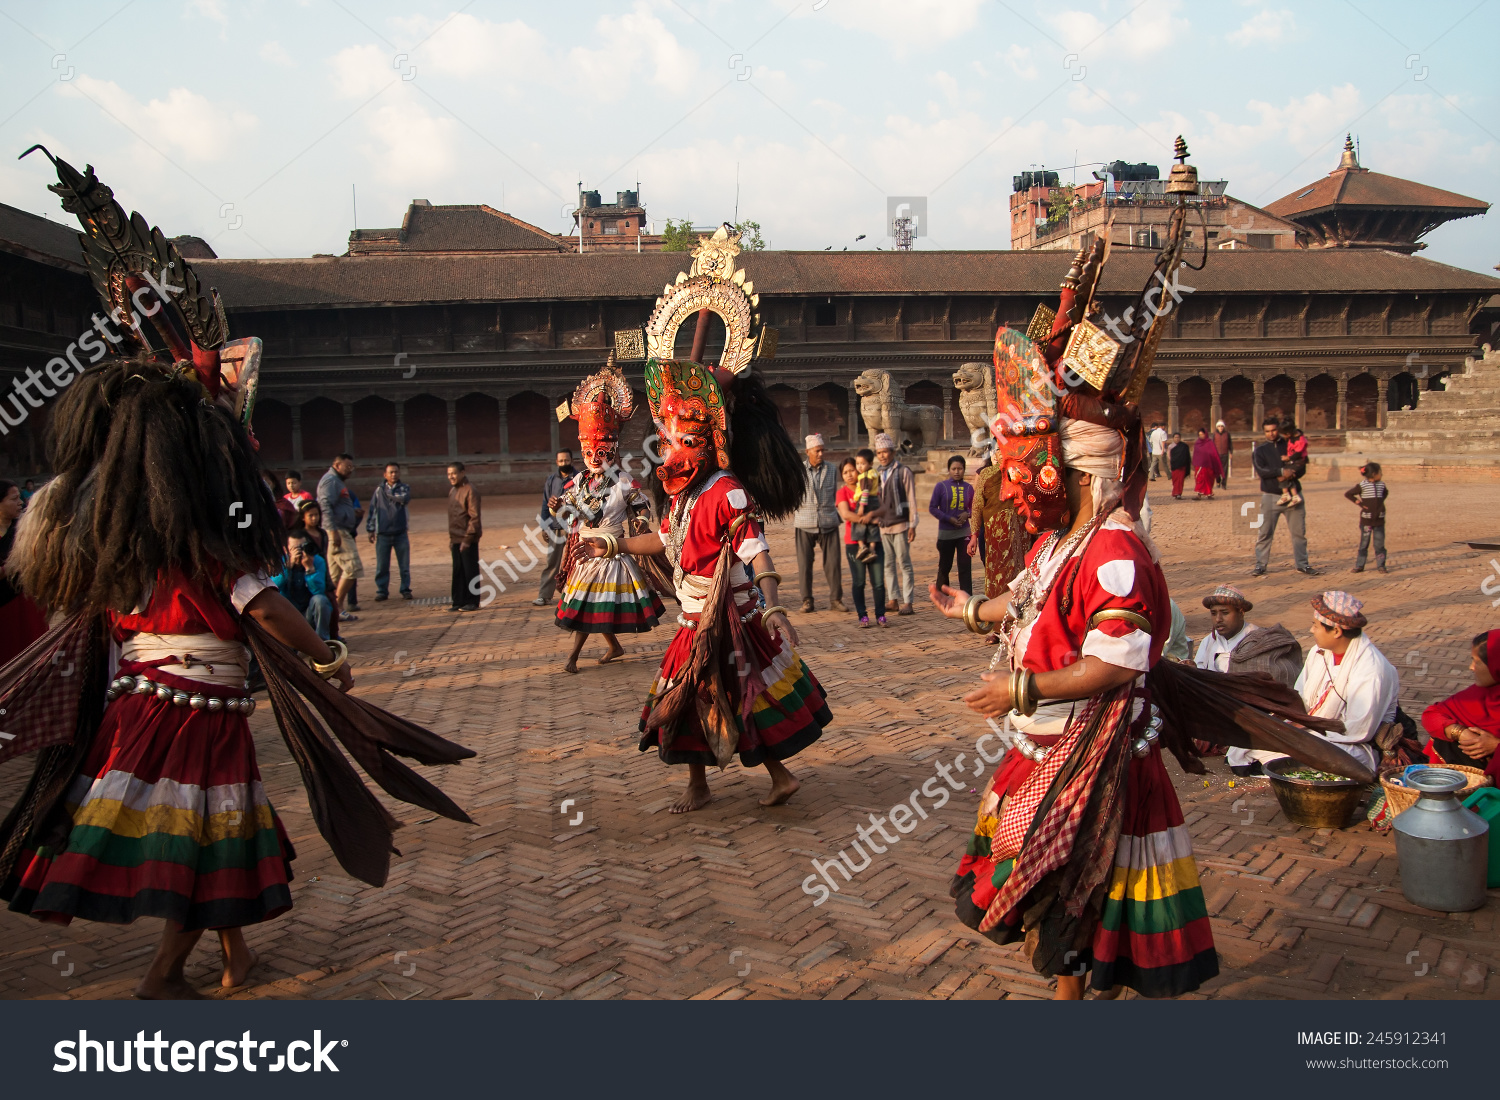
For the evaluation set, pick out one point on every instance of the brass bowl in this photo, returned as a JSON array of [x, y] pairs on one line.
[[1313, 803]]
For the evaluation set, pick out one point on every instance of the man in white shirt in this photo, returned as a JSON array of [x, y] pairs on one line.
[[1346, 677], [1158, 441], [1226, 606]]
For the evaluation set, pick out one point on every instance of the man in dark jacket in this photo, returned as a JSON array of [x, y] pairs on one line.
[[386, 527], [1240, 647], [557, 537], [1267, 460], [463, 537]]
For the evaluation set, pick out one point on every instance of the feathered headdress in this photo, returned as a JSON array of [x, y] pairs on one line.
[[151, 293]]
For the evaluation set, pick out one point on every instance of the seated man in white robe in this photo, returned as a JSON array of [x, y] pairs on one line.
[[1235, 645], [1346, 677]]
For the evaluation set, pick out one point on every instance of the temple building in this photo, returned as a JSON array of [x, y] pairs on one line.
[[440, 346], [1353, 207]]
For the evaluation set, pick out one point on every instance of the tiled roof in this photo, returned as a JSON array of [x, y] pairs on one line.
[[38, 238], [406, 278], [1359, 187], [477, 228]]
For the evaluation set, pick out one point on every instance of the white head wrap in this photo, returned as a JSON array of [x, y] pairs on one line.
[[1091, 447]]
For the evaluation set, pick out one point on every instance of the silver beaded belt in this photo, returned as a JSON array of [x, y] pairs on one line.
[[140, 685]]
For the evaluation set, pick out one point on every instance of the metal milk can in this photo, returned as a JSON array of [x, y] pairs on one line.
[[1442, 848]]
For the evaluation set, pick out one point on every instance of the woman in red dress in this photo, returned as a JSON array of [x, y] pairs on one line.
[[21, 620]]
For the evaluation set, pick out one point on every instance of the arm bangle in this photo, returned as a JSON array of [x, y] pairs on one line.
[[1026, 705], [971, 616], [611, 546], [774, 609], [768, 573], [340, 655]]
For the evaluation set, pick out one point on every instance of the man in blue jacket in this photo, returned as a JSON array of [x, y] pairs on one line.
[[386, 527], [304, 582]]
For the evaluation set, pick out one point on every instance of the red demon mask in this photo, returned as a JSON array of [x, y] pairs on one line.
[[688, 406], [1029, 449]]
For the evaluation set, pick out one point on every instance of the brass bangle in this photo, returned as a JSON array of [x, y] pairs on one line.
[[774, 609], [1028, 699], [768, 573], [611, 546], [971, 616], [341, 655], [1015, 690]]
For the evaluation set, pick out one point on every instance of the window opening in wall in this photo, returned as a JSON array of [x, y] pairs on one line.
[[825, 314]]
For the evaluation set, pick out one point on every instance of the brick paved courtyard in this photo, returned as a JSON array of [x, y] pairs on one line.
[[634, 902]]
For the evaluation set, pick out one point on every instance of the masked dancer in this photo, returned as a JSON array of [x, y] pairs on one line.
[[155, 538], [731, 680], [613, 594]]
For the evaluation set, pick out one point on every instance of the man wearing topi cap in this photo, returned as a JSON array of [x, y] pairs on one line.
[[1346, 677], [1237, 646], [817, 526], [898, 491]]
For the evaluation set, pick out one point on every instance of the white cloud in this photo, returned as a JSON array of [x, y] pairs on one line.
[[466, 46], [903, 23], [213, 10], [636, 42], [273, 53], [1018, 58], [411, 147], [1263, 28], [184, 124], [1148, 29], [359, 71]]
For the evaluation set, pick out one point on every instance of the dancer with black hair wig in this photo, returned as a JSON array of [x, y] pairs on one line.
[[154, 541], [731, 681]]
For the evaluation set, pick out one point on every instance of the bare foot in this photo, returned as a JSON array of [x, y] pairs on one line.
[[571, 666], [237, 967], [694, 798], [167, 989], [783, 786], [616, 651]]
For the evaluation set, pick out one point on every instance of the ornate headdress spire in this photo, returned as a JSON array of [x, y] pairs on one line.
[[600, 404]]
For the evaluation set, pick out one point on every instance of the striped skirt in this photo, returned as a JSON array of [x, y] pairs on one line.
[[785, 718], [1153, 931], [608, 596], [169, 820]]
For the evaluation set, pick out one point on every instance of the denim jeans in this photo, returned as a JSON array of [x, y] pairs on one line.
[[898, 553], [857, 571], [1296, 525], [384, 544], [319, 614], [1364, 545]]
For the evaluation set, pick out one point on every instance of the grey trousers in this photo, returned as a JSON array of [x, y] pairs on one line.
[[1365, 534], [828, 542], [900, 579], [1157, 463], [549, 571], [1296, 524]]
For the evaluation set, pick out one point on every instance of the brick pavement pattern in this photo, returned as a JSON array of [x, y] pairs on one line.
[[577, 883]]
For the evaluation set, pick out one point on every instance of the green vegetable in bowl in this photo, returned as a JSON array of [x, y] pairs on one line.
[[1314, 775]]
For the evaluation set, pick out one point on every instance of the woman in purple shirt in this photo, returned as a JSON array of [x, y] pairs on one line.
[[952, 502]]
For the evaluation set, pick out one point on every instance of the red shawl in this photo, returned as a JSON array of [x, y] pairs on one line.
[[1473, 706], [1206, 457]]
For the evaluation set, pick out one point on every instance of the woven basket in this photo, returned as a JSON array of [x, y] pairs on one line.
[[1399, 799]]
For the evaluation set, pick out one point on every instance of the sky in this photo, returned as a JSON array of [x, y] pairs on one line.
[[268, 126]]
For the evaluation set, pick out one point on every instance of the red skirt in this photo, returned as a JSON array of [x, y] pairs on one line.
[[1153, 933], [169, 820], [21, 623], [1203, 481], [786, 717]]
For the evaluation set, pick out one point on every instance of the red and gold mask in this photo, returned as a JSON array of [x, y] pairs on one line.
[[600, 404], [688, 407], [1028, 447]]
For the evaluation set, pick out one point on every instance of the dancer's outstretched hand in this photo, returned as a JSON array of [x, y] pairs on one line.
[[782, 627], [992, 699], [594, 547], [950, 601]]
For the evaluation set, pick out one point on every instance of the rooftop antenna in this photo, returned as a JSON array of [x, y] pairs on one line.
[[736, 192], [354, 198], [579, 215]]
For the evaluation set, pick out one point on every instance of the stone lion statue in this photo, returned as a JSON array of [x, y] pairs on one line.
[[885, 410], [975, 383]]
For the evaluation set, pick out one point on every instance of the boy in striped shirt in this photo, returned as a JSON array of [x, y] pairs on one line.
[[1370, 494]]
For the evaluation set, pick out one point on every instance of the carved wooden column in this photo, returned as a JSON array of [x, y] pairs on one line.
[[1258, 414], [452, 428], [553, 431], [802, 426], [348, 427], [400, 431], [948, 408], [1341, 417], [1173, 424], [1215, 403], [1382, 390], [297, 434], [852, 431], [504, 435], [1301, 384]]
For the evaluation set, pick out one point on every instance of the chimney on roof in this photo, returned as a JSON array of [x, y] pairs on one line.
[[420, 202], [1349, 160]]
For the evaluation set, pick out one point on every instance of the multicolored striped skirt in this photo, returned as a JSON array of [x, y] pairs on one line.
[[608, 596], [1152, 933], [169, 820], [785, 718]]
